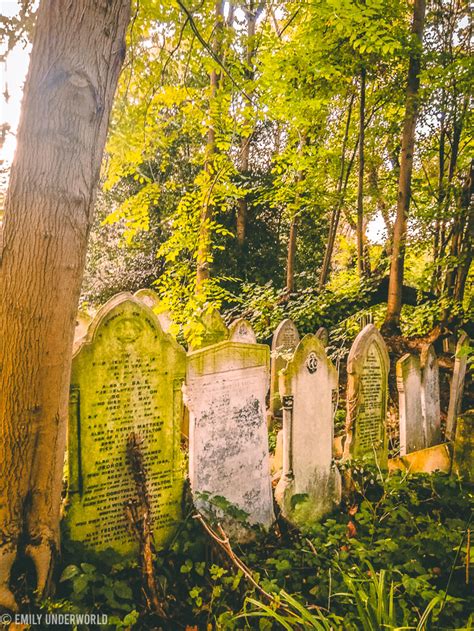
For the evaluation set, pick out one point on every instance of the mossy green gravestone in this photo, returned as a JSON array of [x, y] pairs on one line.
[[226, 384], [367, 390], [310, 485], [126, 377]]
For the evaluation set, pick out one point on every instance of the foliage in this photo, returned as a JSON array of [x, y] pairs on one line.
[[395, 555]]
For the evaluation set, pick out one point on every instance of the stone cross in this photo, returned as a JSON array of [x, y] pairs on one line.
[[366, 400], [457, 384], [284, 341], [126, 378], [310, 485], [229, 469]]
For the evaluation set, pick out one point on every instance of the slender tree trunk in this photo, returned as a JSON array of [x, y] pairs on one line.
[[77, 54], [334, 221], [291, 256], [252, 12], [360, 187], [394, 302], [204, 252]]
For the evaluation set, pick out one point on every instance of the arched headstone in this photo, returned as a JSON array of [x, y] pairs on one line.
[[323, 334], [310, 485], [241, 331], [126, 377], [412, 434], [366, 400], [152, 300], [284, 341]]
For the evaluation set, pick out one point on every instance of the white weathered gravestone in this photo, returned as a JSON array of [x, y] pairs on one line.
[[241, 330], [225, 392], [430, 396], [457, 384], [285, 340], [310, 485], [366, 400], [323, 334], [152, 300], [126, 377], [412, 434]]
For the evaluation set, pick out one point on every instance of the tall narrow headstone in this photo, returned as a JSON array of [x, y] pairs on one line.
[[229, 470], [152, 300], [412, 434], [126, 378], [366, 400], [241, 331], [430, 396], [463, 457], [310, 485], [457, 384], [285, 340]]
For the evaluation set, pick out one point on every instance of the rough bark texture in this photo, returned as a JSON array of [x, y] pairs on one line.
[[203, 271], [77, 54], [392, 320]]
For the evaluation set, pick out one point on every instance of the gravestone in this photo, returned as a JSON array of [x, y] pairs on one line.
[[323, 334], [152, 300], [241, 331], [463, 457], [366, 399], [285, 340], [412, 434], [430, 396], [457, 384], [310, 485], [83, 319], [126, 377], [229, 469], [212, 330]]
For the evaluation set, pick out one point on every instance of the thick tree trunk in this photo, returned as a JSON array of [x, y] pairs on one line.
[[394, 306], [77, 54], [360, 186], [204, 252]]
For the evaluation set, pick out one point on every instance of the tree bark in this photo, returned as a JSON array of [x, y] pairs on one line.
[[204, 251], [394, 303], [77, 54], [291, 256], [360, 186], [337, 208]]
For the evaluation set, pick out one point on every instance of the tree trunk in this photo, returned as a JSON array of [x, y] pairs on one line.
[[77, 54], [204, 252], [340, 200], [291, 256], [252, 12], [360, 187], [394, 302]]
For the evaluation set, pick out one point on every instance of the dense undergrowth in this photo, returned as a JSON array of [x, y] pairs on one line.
[[395, 556]]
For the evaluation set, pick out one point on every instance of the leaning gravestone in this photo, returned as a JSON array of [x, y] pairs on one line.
[[126, 377], [241, 331], [412, 434], [430, 396], [323, 334], [457, 384], [366, 400], [463, 457], [285, 340], [152, 300], [229, 469], [310, 485]]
